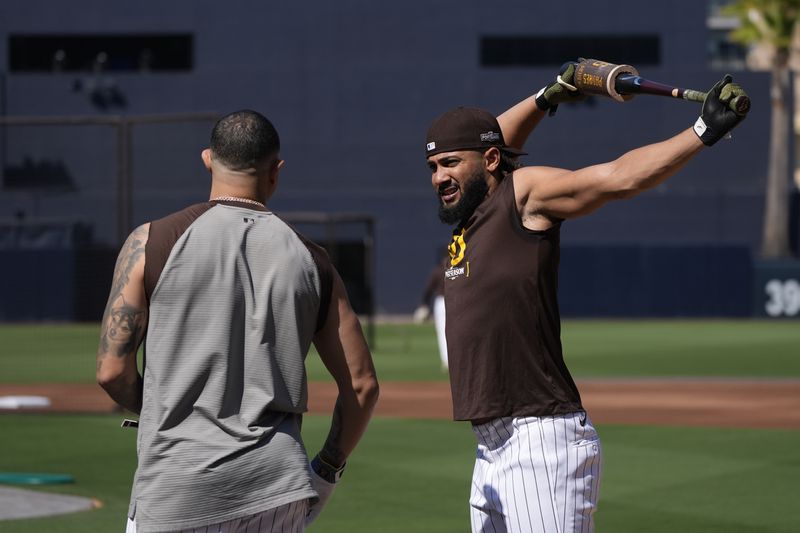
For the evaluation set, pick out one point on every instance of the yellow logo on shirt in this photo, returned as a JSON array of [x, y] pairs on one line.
[[457, 248]]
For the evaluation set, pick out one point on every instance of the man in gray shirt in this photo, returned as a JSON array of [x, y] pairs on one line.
[[231, 299]]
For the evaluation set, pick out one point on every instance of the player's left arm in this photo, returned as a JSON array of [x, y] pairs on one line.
[[124, 324], [545, 194], [344, 352]]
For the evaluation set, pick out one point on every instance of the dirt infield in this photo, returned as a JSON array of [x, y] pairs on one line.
[[721, 403]]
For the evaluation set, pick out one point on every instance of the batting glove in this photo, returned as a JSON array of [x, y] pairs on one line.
[[717, 117], [324, 478], [563, 90]]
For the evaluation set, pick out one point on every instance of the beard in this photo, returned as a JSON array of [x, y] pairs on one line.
[[472, 194]]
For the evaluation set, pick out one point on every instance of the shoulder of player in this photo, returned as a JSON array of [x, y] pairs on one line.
[[132, 251], [528, 181], [139, 236]]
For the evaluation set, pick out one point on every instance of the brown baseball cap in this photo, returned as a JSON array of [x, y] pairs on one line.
[[465, 128]]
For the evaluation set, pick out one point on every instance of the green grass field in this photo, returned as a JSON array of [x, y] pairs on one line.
[[742, 348], [414, 474]]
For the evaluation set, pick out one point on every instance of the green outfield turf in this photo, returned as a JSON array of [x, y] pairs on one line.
[[725, 348], [414, 475], [411, 475]]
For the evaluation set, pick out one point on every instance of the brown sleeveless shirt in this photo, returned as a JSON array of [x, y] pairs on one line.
[[503, 325]]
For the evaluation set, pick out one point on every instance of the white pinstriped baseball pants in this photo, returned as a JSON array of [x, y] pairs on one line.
[[439, 319], [536, 474], [288, 518]]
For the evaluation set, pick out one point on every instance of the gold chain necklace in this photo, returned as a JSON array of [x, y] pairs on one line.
[[237, 199]]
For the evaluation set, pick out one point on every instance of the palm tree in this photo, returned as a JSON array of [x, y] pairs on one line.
[[770, 25]]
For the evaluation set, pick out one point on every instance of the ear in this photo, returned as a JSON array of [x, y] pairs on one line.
[[273, 176], [491, 158], [206, 156]]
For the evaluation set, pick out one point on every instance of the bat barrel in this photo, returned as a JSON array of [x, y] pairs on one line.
[[593, 76]]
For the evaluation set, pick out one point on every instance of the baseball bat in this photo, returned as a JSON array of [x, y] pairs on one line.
[[622, 82], [629, 84]]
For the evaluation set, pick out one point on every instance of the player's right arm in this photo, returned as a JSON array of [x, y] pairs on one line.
[[518, 122], [124, 324], [344, 352]]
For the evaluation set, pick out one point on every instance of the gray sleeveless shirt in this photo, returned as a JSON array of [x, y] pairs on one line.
[[235, 297]]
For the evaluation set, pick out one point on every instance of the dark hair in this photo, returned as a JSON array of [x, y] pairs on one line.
[[508, 163], [244, 139]]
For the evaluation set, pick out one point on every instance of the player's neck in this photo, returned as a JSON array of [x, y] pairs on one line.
[[250, 192]]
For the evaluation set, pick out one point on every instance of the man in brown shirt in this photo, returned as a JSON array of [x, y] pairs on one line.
[[538, 459]]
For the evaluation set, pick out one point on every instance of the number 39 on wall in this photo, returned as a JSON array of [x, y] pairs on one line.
[[783, 297]]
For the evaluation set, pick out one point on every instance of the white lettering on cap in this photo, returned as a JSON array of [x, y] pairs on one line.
[[431, 146]]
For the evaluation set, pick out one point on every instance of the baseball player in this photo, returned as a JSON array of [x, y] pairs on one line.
[[231, 299], [433, 299], [538, 460]]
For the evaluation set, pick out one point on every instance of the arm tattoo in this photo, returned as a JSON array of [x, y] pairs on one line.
[[125, 327], [123, 324]]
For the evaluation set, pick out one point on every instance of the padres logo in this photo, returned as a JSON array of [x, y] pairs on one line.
[[457, 248]]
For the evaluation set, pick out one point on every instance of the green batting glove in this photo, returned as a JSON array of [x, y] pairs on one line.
[[561, 91]]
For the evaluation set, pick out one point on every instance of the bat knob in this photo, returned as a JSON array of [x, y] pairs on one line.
[[740, 105]]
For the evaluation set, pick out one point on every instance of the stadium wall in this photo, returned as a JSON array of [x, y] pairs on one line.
[[352, 87]]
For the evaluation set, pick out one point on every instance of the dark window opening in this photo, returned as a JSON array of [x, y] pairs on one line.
[[553, 51], [120, 53], [725, 54]]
